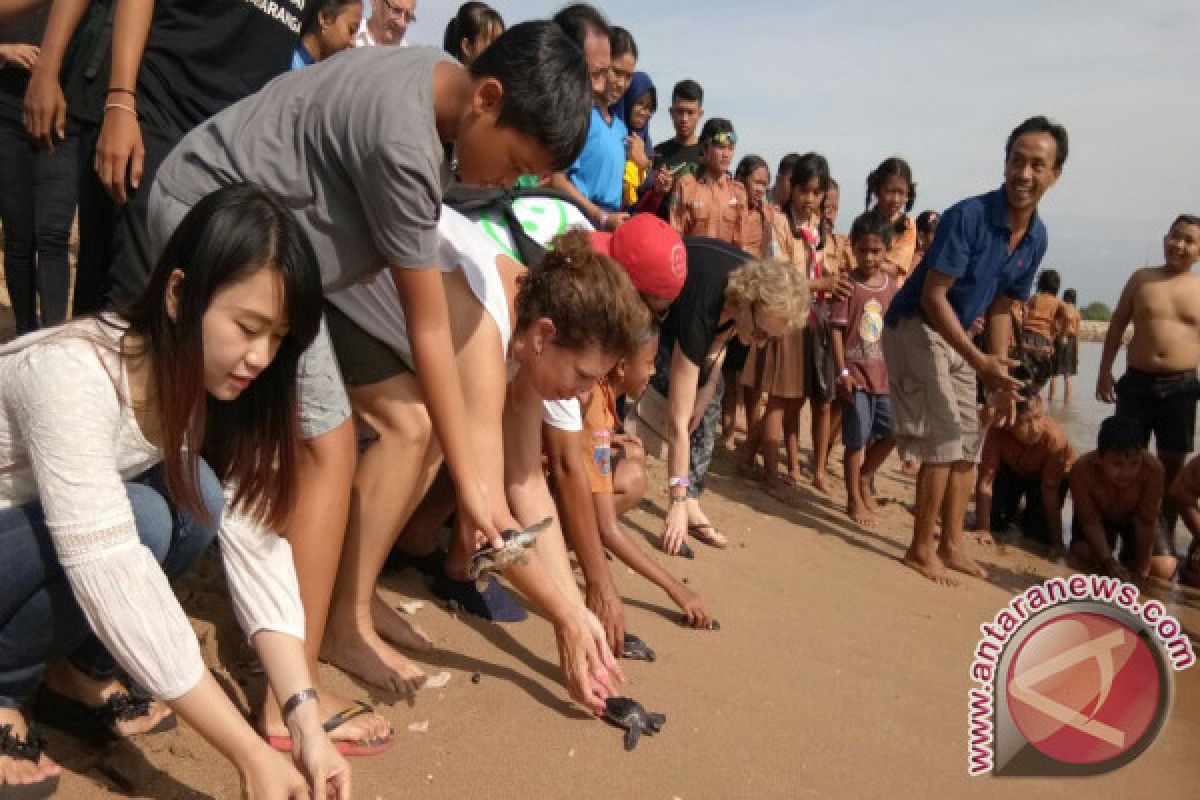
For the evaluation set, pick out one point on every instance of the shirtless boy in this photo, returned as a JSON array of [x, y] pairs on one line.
[[1160, 385], [1117, 490], [1185, 494], [1027, 460]]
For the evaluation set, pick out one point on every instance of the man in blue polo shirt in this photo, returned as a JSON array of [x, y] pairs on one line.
[[982, 262], [593, 182]]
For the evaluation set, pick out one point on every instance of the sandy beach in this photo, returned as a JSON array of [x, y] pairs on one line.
[[836, 673]]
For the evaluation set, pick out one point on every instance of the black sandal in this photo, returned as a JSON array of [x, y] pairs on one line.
[[97, 725], [27, 749]]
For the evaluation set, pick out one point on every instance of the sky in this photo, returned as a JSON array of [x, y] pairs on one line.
[[942, 84]]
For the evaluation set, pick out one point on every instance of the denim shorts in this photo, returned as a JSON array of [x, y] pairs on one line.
[[868, 419]]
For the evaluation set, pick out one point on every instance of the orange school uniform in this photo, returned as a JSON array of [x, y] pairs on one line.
[[704, 207]]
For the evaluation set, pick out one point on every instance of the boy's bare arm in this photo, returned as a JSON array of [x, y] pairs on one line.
[[579, 523], [1112, 340]]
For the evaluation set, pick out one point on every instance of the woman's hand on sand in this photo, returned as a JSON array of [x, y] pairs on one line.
[[695, 612], [676, 530], [269, 776], [120, 153], [315, 755], [45, 114], [1106, 391], [589, 669]]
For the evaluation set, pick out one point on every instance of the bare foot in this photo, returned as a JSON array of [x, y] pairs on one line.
[[863, 516], [16, 772], [982, 537], [73, 684], [867, 490], [363, 654], [932, 568], [394, 627], [819, 482], [957, 560], [361, 729]]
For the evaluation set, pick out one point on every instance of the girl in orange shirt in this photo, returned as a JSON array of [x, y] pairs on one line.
[[892, 187]]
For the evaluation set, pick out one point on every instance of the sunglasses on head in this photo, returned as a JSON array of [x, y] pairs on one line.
[[723, 138]]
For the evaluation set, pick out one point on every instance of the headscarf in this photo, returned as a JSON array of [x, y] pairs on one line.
[[623, 108]]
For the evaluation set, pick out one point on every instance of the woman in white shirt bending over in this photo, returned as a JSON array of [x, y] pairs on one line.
[[117, 434]]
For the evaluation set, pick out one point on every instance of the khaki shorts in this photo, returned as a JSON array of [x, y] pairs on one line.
[[934, 409], [323, 401]]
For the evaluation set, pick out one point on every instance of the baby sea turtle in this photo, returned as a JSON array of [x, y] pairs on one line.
[[634, 648], [627, 713], [497, 559]]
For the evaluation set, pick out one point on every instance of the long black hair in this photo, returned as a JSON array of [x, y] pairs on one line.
[[894, 167], [250, 442], [472, 21], [806, 168]]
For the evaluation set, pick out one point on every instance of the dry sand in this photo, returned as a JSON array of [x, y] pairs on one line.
[[836, 673]]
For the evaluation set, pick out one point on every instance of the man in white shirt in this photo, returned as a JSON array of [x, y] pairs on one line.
[[388, 23]]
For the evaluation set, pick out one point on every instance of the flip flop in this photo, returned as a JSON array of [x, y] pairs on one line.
[[635, 649], [708, 533], [493, 602], [96, 724], [368, 747], [27, 749]]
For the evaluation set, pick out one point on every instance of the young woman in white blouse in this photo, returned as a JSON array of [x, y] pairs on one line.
[[117, 435]]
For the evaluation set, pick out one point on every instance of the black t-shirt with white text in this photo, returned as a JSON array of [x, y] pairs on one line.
[[203, 55]]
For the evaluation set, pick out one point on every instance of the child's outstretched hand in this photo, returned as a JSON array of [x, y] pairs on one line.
[[1106, 388], [663, 181]]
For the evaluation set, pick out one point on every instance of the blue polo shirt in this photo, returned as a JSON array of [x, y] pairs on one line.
[[598, 171], [971, 246]]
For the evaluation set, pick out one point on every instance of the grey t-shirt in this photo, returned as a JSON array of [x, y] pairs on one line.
[[351, 147]]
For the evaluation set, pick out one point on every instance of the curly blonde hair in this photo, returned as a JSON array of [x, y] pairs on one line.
[[772, 287], [588, 296]]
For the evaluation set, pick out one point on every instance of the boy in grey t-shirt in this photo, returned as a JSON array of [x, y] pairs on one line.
[[356, 147]]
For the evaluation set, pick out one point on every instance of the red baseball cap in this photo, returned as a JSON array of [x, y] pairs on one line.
[[650, 251]]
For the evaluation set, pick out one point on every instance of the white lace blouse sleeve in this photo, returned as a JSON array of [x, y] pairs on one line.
[[68, 412], [261, 575]]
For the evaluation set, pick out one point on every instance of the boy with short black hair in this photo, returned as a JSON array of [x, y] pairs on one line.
[[679, 155], [1160, 386], [364, 172], [857, 322], [710, 202], [1027, 460], [1117, 491]]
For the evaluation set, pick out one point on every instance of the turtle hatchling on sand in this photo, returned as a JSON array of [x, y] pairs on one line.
[[627, 713], [496, 559]]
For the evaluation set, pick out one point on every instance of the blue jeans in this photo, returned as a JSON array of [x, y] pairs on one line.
[[39, 617]]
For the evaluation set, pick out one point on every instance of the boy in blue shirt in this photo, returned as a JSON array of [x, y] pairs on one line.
[[983, 260]]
